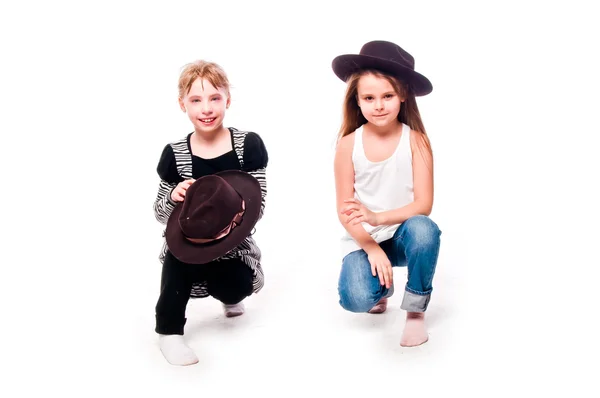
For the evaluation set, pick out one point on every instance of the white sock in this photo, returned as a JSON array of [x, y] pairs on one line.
[[232, 310], [175, 351]]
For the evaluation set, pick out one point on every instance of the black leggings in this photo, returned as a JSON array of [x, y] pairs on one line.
[[229, 281]]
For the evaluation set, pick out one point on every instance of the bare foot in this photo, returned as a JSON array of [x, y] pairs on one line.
[[380, 307], [414, 331]]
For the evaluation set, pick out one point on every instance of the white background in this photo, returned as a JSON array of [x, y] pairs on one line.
[[88, 101]]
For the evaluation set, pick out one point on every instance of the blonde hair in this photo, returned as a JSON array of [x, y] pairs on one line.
[[202, 70], [353, 117]]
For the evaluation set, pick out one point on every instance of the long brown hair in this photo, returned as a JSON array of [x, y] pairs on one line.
[[409, 112]]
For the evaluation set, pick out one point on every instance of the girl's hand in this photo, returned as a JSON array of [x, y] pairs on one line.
[[358, 213], [178, 194], [381, 266]]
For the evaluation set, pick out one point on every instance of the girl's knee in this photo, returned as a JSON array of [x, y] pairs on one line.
[[422, 230], [356, 299], [357, 287], [233, 291]]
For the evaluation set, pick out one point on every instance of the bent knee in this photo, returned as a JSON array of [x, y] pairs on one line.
[[356, 300], [422, 230], [233, 292]]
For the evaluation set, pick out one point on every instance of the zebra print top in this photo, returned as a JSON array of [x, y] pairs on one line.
[[178, 164]]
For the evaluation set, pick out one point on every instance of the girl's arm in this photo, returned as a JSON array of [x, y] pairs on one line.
[[256, 159], [344, 189], [163, 205], [169, 178], [422, 164], [261, 176]]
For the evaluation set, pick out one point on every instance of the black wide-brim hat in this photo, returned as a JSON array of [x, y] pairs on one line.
[[386, 57], [188, 252]]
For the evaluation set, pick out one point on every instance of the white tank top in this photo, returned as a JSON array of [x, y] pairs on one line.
[[381, 186]]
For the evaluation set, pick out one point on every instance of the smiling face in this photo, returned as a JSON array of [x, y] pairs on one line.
[[205, 105], [378, 100]]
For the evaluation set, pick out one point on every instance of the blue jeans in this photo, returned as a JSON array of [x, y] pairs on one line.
[[416, 244]]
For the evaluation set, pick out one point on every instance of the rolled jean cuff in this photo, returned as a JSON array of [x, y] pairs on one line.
[[415, 302]]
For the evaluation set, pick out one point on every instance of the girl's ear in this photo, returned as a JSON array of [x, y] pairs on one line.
[[228, 102], [181, 104]]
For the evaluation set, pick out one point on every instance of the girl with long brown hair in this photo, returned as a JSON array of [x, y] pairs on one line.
[[384, 185]]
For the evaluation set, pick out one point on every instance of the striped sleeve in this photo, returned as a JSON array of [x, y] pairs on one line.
[[255, 163], [261, 176], [169, 178], [163, 206]]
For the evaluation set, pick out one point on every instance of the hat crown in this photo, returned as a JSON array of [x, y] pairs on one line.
[[211, 212], [388, 51], [208, 207]]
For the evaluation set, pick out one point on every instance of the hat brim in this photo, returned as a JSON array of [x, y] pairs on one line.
[[345, 65], [193, 253]]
